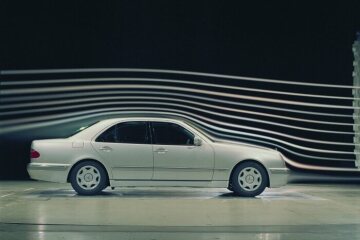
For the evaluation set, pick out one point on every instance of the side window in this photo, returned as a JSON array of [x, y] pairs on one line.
[[132, 132], [171, 134], [128, 132]]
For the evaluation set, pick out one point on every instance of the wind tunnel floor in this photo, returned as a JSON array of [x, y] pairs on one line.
[[39, 210]]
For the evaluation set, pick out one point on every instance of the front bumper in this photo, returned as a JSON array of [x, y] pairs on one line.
[[278, 176], [51, 172]]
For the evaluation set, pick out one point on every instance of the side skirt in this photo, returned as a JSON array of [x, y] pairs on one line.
[[166, 183]]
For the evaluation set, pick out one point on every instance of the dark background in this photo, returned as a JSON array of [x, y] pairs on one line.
[[290, 40]]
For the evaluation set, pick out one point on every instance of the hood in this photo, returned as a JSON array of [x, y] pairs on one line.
[[234, 143]]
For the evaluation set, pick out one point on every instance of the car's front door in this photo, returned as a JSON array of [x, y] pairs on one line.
[[176, 157], [126, 146]]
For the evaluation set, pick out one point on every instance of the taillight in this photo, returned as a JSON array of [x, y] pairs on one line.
[[34, 154]]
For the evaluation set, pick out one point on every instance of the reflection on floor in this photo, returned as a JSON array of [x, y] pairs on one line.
[[39, 210]]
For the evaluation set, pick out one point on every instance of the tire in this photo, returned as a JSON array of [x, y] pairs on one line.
[[249, 179], [88, 178]]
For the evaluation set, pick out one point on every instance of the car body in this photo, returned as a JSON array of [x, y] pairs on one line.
[[154, 151]]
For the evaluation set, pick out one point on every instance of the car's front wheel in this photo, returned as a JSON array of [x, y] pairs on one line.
[[249, 179], [88, 178]]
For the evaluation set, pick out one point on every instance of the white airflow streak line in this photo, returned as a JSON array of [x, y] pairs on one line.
[[75, 106], [291, 162], [6, 195], [94, 99], [90, 112], [164, 80], [275, 145], [102, 114], [321, 168], [167, 71], [136, 86], [77, 94]]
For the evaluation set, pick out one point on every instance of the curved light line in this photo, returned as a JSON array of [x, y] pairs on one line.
[[165, 80], [321, 168], [198, 116], [273, 81], [54, 122], [136, 86], [73, 106], [77, 94], [47, 103], [88, 70], [276, 146]]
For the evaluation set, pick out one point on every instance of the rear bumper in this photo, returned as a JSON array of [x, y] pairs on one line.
[[51, 172], [279, 176]]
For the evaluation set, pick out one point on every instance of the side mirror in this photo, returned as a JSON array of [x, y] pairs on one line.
[[197, 141]]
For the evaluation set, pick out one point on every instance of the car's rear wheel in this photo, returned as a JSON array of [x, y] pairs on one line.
[[88, 178], [249, 179]]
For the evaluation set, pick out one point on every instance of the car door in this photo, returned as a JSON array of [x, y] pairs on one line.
[[126, 146], [175, 155]]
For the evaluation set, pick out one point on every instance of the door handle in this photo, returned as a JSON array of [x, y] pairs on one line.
[[161, 150], [105, 148]]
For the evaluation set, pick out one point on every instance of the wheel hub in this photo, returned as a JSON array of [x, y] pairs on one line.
[[88, 177], [249, 179]]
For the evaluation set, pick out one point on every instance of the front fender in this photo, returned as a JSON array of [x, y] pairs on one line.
[[228, 156]]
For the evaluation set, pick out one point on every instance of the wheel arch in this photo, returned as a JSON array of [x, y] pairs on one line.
[[88, 160], [250, 160]]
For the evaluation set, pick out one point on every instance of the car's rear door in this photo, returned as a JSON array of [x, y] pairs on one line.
[[175, 155], [126, 146]]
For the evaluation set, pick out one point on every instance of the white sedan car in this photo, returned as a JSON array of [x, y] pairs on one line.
[[139, 151]]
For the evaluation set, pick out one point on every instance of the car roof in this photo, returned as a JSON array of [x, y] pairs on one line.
[[147, 119]]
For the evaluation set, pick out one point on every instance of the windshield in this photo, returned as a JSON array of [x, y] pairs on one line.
[[200, 129]]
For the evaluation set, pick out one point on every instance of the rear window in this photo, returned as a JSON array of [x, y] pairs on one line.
[[82, 128]]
